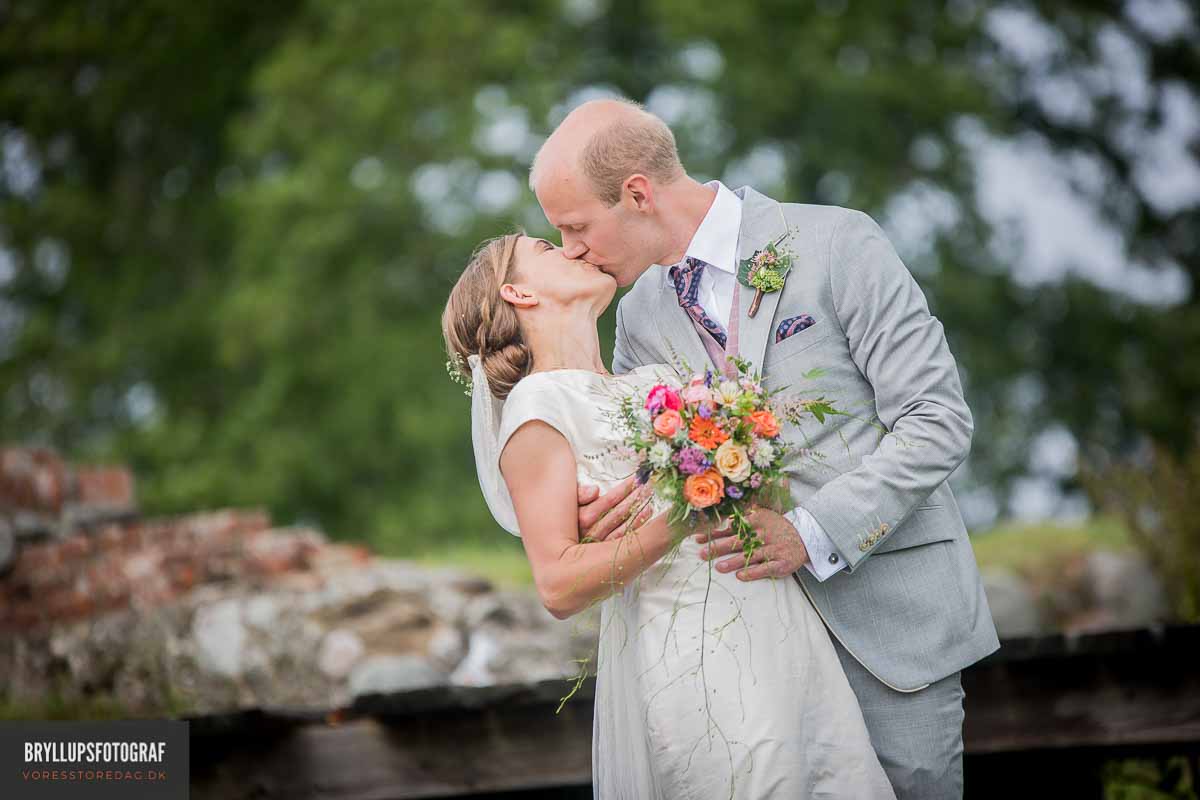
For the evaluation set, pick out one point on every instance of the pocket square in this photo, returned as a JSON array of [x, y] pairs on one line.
[[793, 325]]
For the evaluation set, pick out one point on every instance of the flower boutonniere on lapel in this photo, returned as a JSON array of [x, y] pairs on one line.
[[765, 271]]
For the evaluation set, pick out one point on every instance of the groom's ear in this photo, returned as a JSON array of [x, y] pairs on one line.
[[517, 296], [638, 191]]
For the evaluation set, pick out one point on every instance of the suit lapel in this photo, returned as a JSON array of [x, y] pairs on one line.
[[762, 224], [676, 328]]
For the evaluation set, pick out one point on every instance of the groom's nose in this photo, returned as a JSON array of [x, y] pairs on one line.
[[573, 248]]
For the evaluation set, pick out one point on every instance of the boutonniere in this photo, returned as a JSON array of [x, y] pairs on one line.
[[765, 271]]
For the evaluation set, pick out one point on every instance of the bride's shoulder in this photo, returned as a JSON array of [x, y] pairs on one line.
[[539, 383]]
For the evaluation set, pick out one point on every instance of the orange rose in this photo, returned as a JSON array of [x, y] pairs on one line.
[[765, 424], [667, 423], [705, 489], [705, 433]]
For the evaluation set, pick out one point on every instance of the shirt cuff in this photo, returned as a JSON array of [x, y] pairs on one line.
[[823, 557]]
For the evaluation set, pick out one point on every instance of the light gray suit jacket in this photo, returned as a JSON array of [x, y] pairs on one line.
[[910, 606]]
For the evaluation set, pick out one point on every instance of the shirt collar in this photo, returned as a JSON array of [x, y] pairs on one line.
[[715, 241]]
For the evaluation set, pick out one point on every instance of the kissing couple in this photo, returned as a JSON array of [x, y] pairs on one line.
[[841, 680]]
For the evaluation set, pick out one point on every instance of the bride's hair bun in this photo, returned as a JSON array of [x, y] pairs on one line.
[[477, 321]]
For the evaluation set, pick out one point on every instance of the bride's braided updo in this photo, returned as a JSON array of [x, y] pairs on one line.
[[477, 321]]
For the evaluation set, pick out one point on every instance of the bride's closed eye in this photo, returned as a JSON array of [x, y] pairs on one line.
[[543, 245]]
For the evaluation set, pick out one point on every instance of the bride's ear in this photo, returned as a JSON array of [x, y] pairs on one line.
[[517, 296]]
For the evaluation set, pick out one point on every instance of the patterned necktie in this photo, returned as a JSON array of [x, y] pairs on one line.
[[686, 277]]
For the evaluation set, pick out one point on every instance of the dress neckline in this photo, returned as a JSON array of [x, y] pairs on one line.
[[589, 372]]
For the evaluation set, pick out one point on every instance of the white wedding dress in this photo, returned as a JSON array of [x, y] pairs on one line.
[[706, 686]]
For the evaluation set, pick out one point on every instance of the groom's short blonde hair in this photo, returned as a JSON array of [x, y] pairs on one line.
[[626, 140]]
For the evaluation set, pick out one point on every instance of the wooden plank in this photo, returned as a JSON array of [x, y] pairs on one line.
[[423, 756], [1112, 689], [1078, 700]]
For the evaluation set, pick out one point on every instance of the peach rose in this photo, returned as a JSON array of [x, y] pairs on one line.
[[668, 423], [765, 424], [732, 461], [705, 489]]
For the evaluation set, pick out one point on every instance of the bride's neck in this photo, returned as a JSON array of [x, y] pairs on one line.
[[564, 340]]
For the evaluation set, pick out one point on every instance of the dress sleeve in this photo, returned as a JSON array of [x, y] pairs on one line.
[[538, 402], [531, 400]]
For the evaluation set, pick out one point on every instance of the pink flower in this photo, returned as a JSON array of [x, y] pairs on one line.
[[663, 397], [696, 392]]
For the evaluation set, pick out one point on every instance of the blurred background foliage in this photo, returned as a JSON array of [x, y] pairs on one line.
[[227, 230]]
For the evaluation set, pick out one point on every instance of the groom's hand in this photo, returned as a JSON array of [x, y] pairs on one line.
[[781, 553], [614, 513]]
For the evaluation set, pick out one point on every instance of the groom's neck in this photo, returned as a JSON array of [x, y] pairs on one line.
[[683, 205]]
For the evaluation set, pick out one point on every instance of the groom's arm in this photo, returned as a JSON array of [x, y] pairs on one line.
[[901, 349], [625, 357]]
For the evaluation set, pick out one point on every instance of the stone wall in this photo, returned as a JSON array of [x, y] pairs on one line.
[[220, 610]]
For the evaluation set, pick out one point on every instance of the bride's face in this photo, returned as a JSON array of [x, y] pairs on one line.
[[549, 276]]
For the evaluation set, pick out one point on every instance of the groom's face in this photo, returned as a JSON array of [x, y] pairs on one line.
[[610, 237]]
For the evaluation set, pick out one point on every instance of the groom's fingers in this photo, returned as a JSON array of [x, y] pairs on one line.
[[641, 520], [611, 511], [760, 555], [593, 505], [765, 569], [715, 531], [722, 546]]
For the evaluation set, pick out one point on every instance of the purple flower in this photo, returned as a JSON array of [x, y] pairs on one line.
[[708, 376], [733, 491], [691, 461], [643, 473], [704, 410], [756, 480]]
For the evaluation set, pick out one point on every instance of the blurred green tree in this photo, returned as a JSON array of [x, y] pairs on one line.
[[228, 231]]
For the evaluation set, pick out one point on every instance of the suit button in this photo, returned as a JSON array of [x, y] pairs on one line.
[[833, 558]]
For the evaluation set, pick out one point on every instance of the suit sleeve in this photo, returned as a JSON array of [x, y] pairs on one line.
[[625, 356], [901, 349]]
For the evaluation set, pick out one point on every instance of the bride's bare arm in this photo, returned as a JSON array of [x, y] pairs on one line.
[[539, 468]]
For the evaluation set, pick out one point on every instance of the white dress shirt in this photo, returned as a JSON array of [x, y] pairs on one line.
[[715, 243]]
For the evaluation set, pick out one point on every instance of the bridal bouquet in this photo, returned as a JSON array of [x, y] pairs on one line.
[[710, 445]]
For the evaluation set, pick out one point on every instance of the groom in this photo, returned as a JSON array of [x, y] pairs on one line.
[[877, 542]]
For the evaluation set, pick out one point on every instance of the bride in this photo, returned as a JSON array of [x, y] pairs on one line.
[[707, 686]]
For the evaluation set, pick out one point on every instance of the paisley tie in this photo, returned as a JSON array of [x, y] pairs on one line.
[[686, 278]]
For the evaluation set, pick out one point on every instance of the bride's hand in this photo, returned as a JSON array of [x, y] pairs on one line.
[[614, 513]]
